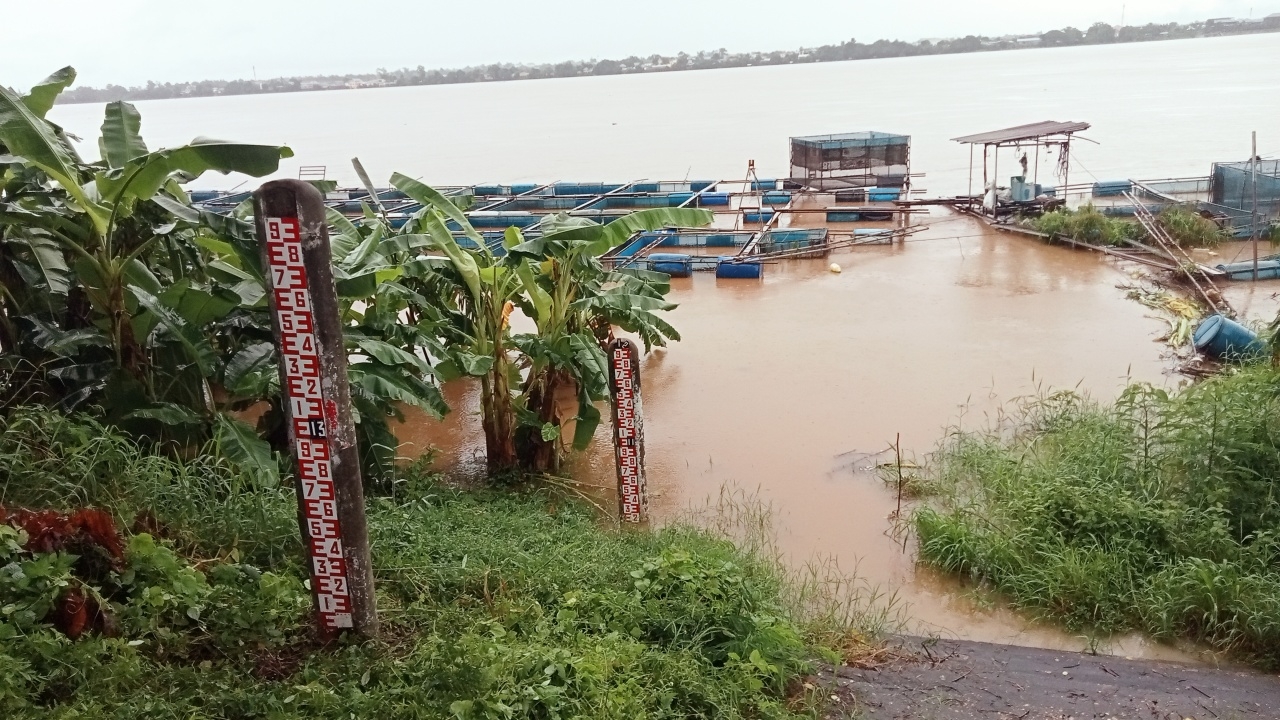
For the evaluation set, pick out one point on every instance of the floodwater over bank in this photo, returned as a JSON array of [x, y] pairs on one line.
[[780, 387]]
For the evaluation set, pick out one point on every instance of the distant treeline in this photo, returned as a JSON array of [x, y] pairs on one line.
[[1098, 34]]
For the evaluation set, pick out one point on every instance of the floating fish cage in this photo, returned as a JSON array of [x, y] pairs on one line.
[[851, 160], [730, 252], [652, 251], [795, 239], [1232, 189]]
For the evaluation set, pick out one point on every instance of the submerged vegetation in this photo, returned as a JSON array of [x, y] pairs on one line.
[[494, 605], [1160, 513], [1087, 224]]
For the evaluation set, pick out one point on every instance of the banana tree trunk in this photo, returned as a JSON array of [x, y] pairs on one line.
[[497, 416], [546, 393]]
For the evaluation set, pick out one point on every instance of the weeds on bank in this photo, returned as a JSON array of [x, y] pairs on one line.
[[1158, 513], [494, 604], [838, 611], [1087, 224]]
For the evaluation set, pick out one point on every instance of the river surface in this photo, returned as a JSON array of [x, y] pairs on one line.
[[780, 385]]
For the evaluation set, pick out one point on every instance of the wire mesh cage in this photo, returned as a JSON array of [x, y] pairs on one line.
[[851, 160], [1233, 186]]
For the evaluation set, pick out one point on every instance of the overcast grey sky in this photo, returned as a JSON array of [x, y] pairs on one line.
[[128, 42]]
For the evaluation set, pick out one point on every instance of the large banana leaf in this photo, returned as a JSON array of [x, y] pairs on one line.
[[252, 359], [539, 299], [650, 219], [48, 256], [40, 99], [240, 444], [345, 237], [430, 197], [143, 176], [27, 135], [121, 141], [192, 340], [388, 354], [462, 260], [380, 383]]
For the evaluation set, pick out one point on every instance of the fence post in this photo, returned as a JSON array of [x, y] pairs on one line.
[[294, 237], [628, 431]]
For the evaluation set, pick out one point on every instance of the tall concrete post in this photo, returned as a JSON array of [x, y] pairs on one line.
[[628, 431], [294, 238]]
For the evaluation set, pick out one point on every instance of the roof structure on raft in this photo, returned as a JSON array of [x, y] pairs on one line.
[[1034, 131]]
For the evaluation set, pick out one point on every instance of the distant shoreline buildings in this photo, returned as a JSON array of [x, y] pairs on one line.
[[1097, 34]]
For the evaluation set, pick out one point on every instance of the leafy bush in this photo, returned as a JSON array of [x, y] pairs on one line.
[[494, 605], [1086, 225], [1189, 229], [1159, 513]]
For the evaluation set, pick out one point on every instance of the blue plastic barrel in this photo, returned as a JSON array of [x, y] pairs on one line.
[[1227, 339], [1268, 269], [673, 264], [746, 270], [711, 199]]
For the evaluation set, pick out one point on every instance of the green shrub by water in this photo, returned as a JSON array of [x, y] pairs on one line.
[[1087, 224], [494, 605], [1159, 513]]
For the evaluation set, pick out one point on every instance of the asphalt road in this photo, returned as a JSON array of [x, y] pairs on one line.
[[949, 679]]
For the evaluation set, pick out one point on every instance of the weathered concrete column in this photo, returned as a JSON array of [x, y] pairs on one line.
[[294, 237], [628, 431]]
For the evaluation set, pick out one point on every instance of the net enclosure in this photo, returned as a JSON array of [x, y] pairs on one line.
[[1232, 186], [851, 160]]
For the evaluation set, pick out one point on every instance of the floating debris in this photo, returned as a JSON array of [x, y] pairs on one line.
[[1181, 314]]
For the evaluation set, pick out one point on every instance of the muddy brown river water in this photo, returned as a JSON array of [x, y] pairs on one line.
[[778, 386]]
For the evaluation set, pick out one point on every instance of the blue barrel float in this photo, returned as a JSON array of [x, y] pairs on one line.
[[744, 270], [673, 264], [1268, 269], [1226, 339]]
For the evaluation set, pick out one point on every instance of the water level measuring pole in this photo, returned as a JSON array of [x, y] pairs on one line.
[[294, 237], [628, 431]]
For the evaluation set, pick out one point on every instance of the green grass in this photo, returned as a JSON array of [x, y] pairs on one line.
[[1158, 513], [493, 604]]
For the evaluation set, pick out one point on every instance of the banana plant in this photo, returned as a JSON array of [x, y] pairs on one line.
[[575, 303], [108, 233], [478, 292], [105, 287], [558, 281]]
